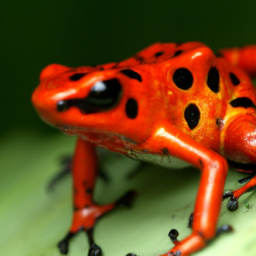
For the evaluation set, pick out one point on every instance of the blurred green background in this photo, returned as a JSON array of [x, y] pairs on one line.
[[37, 33], [74, 33]]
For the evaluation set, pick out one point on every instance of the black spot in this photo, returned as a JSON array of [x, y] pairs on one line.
[[234, 79], [183, 78], [242, 102], [103, 96], [179, 52], [132, 74], [159, 54], [213, 79], [77, 76], [179, 43], [192, 115], [131, 108]]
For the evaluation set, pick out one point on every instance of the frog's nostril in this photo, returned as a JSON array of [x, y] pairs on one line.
[[62, 106]]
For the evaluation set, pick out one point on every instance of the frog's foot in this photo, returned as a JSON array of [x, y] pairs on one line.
[[84, 220], [234, 195], [193, 243]]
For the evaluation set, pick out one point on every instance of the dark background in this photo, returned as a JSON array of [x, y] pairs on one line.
[[37, 33]]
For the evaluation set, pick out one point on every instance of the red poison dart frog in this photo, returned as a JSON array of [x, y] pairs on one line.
[[178, 102]]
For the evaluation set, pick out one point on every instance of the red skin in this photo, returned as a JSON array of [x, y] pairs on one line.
[[160, 123]]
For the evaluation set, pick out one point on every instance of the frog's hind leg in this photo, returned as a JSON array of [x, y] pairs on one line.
[[242, 57], [240, 149], [240, 140]]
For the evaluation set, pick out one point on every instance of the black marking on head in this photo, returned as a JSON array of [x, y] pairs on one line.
[[179, 44], [131, 108], [192, 115], [235, 81], [77, 76], [183, 78], [159, 54], [103, 96], [132, 74], [242, 102], [177, 53], [213, 79]]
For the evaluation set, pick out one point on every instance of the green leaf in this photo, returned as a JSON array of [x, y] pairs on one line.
[[33, 220]]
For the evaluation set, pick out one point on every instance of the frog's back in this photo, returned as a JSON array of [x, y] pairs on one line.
[[204, 93]]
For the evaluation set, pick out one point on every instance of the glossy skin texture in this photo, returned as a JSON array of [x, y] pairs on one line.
[[169, 100]]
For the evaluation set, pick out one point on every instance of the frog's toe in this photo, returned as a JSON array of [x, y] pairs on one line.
[[224, 229], [232, 204], [173, 234], [64, 243], [95, 250]]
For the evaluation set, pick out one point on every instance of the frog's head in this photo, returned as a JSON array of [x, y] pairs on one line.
[[90, 98]]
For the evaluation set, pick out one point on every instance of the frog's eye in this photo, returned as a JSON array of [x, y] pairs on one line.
[[103, 96], [104, 93]]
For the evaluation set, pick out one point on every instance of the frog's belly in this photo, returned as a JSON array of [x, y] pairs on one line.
[[163, 160]]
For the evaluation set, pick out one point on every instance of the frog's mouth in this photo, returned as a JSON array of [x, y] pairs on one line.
[[99, 137]]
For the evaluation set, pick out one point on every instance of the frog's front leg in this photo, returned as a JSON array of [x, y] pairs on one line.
[[86, 212], [209, 197]]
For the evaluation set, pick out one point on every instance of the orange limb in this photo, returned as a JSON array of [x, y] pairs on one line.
[[243, 57], [234, 195], [208, 202], [86, 212]]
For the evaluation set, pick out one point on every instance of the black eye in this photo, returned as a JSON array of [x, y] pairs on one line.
[[104, 93], [103, 96]]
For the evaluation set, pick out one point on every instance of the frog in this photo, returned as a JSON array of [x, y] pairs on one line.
[[171, 104]]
